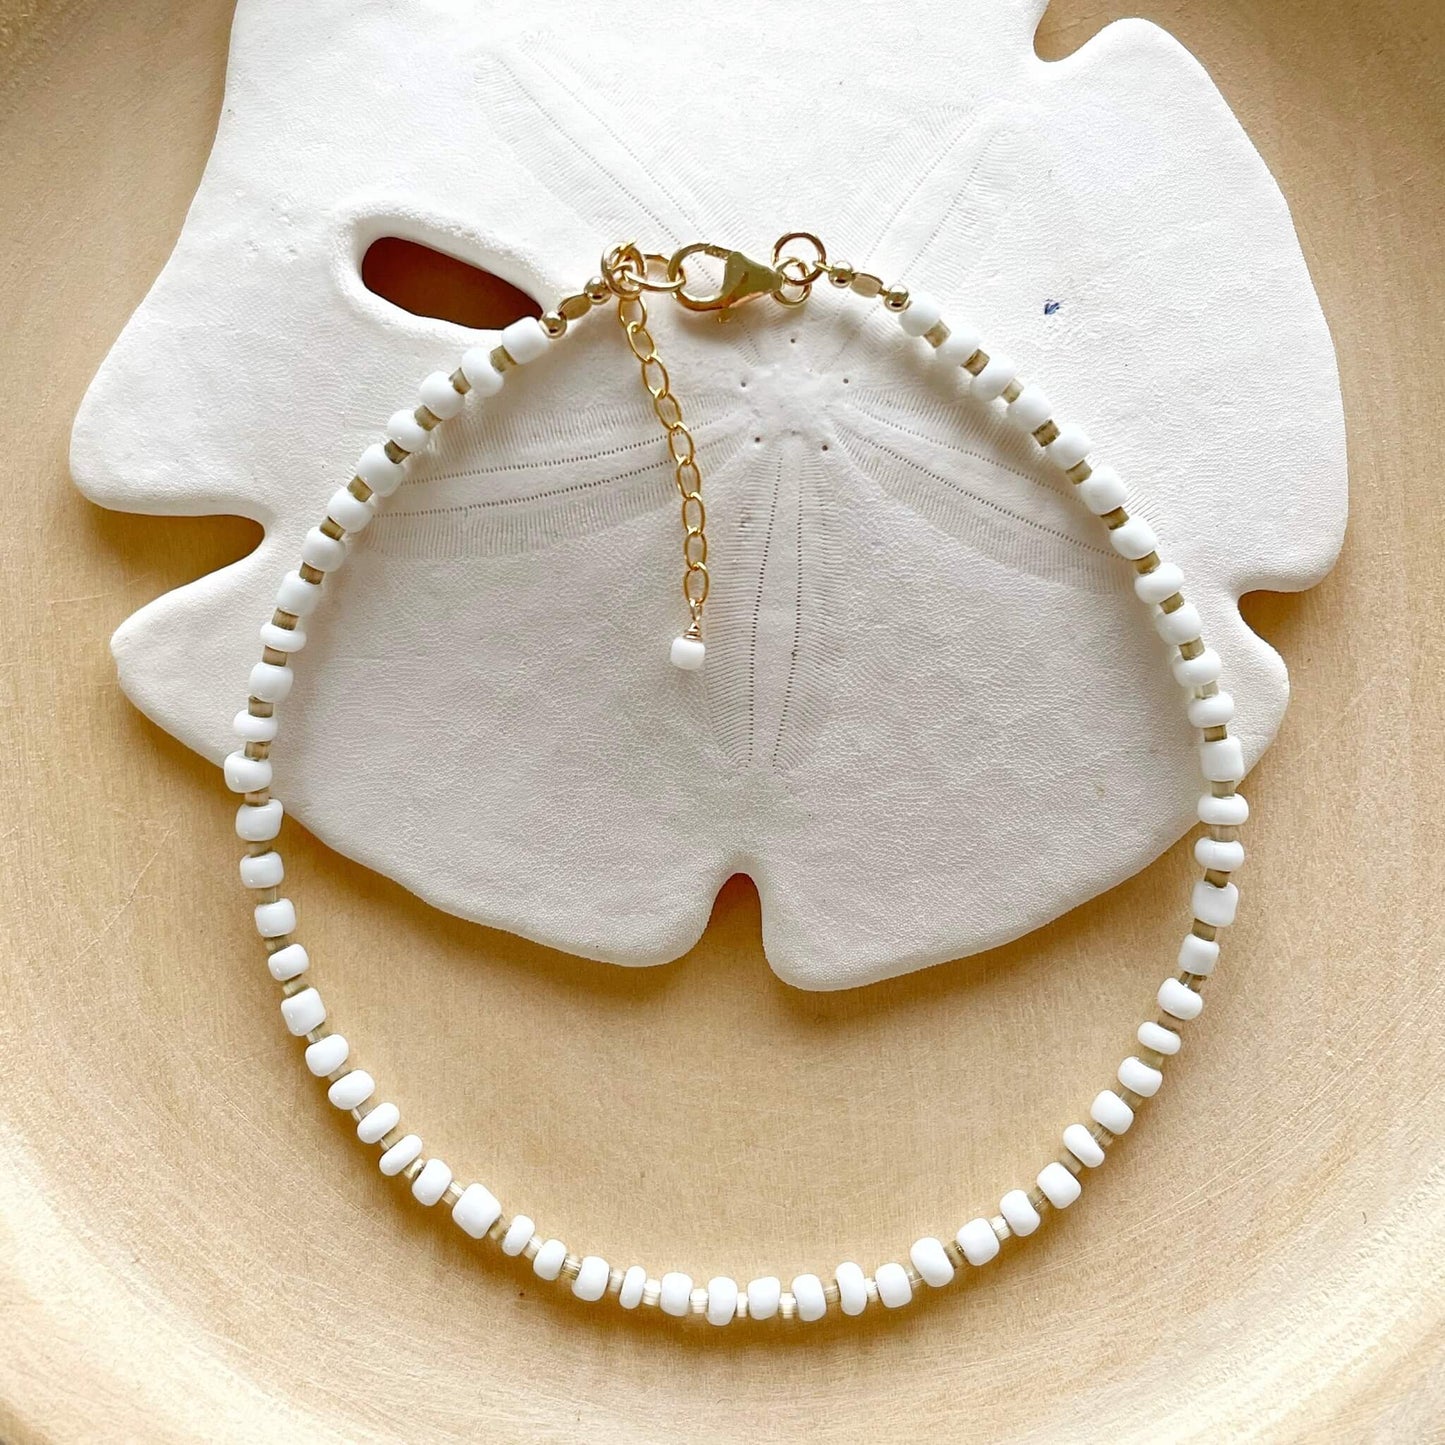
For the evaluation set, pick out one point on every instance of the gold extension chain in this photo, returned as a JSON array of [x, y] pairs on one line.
[[632, 315]]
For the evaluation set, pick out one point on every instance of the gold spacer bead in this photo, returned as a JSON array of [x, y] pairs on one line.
[[864, 283], [597, 291], [574, 308], [937, 334], [553, 323], [896, 298], [501, 359], [394, 452]]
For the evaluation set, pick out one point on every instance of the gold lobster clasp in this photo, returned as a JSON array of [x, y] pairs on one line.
[[743, 279]]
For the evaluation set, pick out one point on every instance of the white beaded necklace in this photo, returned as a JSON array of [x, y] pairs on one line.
[[627, 274]]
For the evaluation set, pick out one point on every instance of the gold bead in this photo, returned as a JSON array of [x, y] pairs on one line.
[[841, 273], [574, 308], [895, 298], [597, 291], [554, 323]]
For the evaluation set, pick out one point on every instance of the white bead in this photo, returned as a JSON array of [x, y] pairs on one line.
[[288, 963], [1184, 624], [763, 1297], [1222, 761], [282, 639], [1083, 1146], [252, 729], [259, 822], [1103, 491], [722, 1300], [401, 1154], [1060, 1187], [352, 1090], [324, 553], [378, 1123], [518, 1236], [298, 596], [852, 1288], [808, 1297], [1223, 857], [1157, 1037], [634, 1281], [275, 920], [524, 340], [593, 1275], [1069, 448], [348, 511], [676, 1297], [1215, 905], [1112, 1112], [379, 473], [482, 376], [1228, 812], [548, 1261], [439, 396], [1215, 711], [921, 314], [993, 380], [1030, 409], [246, 775], [262, 870], [977, 1241], [433, 1181], [1164, 581], [1135, 1074], [407, 432], [895, 1289], [1196, 671], [478, 1210], [962, 342], [1019, 1212], [1135, 539], [303, 1011], [687, 653], [271, 681], [1180, 1001], [931, 1260], [1198, 955], [327, 1055]]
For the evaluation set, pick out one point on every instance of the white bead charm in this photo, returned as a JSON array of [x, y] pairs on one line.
[[1198, 955], [960, 345], [1214, 711], [931, 1261], [324, 553], [400, 1156], [1198, 671], [518, 1235], [593, 1274], [1102, 492], [524, 340], [271, 682], [1137, 1076], [894, 1287], [483, 378], [1133, 539], [1069, 448], [549, 1259], [852, 1288], [1228, 812], [1179, 1001], [722, 1300], [252, 729], [378, 1123], [1222, 760], [764, 1295], [246, 775], [478, 1209], [1030, 409], [1160, 584], [978, 1241], [1019, 1213], [1058, 1186], [327, 1055], [1216, 906], [1157, 1037], [433, 1181], [676, 1297], [634, 1281], [1218, 855], [407, 432], [1083, 1146], [262, 870], [1184, 624], [379, 473], [348, 511], [994, 379], [282, 639], [352, 1090], [808, 1298], [275, 920], [687, 653], [297, 596], [439, 396], [303, 1012], [1112, 1112], [259, 822], [288, 963], [921, 314]]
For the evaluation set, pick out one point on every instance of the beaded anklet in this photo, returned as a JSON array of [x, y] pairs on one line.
[[628, 274]]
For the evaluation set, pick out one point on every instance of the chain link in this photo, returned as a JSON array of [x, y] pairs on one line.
[[681, 448]]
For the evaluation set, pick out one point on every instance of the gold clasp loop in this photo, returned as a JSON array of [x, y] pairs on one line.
[[742, 279]]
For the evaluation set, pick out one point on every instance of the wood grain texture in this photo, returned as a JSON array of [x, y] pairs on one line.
[[191, 1246]]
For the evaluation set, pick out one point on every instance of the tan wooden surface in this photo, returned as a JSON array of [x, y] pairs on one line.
[[191, 1246]]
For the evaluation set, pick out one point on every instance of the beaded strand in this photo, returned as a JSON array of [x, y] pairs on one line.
[[931, 1262]]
